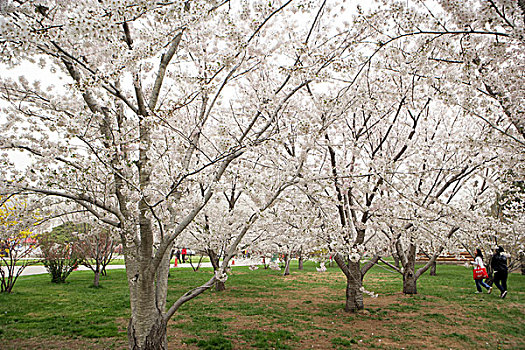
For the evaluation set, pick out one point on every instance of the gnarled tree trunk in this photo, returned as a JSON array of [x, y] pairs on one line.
[[354, 284], [148, 292], [154, 327], [409, 272], [433, 269], [215, 260], [147, 327], [354, 289]]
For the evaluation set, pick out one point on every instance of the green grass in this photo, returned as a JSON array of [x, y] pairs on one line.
[[34, 262], [38, 307], [263, 310], [344, 342]]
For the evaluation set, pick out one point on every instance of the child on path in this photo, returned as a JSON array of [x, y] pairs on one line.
[[478, 263]]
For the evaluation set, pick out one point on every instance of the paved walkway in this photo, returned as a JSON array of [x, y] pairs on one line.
[[38, 270]]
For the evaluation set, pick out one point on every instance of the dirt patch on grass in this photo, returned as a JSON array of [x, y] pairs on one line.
[[309, 314], [394, 321], [59, 343]]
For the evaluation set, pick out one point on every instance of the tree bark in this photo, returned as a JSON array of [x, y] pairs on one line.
[[433, 269], [409, 282], [522, 260], [409, 272], [155, 338], [215, 263], [147, 326], [354, 284], [286, 265], [220, 286], [301, 263], [354, 292], [396, 260], [96, 281]]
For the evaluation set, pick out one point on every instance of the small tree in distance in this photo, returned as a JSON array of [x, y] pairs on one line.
[[60, 251], [96, 245], [17, 240]]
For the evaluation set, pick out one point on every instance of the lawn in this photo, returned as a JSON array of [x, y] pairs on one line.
[[263, 310], [194, 259]]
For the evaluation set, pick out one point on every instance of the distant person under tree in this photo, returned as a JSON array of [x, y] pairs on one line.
[[183, 254]]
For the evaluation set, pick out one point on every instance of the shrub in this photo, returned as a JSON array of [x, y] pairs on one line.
[[60, 251]]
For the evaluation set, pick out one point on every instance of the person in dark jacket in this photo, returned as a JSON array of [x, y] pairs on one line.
[[499, 266]]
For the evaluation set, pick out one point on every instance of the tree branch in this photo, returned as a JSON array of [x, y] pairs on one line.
[[188, 296], [164, 62], [370, 264], [83, 200], [390, 265], [430, 261], [342, 264]]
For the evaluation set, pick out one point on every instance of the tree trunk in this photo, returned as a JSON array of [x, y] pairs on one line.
[[147, 327], [522, 260], [396, 260], [409, 282], [220, 286], [148, 292], [433, 269], [301, 263], [155, 339], [215, 263], [354, 285], [286, 265], [96, 281], [409, 273]]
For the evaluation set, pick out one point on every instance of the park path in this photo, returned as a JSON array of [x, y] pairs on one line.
[[38, 270]]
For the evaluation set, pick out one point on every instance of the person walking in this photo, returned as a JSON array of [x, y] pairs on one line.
[[499, 266], [183, 254], [177, 255], [478, 263]]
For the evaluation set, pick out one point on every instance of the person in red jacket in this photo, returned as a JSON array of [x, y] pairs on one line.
[[183, 254]]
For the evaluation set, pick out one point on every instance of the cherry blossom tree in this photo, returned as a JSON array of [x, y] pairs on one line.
[[224, 227], [508, 210], [146, 107], [290, 229], [373, 120], [470, 54], [216, 227]]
